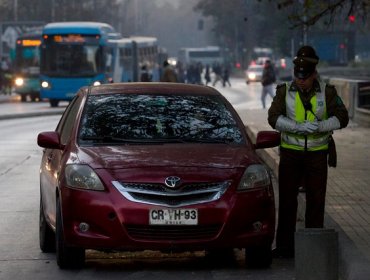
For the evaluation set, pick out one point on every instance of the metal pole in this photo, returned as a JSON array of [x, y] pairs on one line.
[[15, 7], [52, 10], [305, 29]]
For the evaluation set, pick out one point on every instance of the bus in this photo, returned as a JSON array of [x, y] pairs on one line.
[[73, 55], [206, 55], [26, 66], [129, 55]]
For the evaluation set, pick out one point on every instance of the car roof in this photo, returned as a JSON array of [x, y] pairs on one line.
[[255, 66], [152, 88]]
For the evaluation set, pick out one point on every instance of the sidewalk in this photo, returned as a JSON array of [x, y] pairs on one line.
[[348, 192]]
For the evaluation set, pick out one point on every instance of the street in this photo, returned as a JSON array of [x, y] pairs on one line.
[[20, 256]]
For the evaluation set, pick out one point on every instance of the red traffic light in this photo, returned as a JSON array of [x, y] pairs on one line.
[[351, 18]]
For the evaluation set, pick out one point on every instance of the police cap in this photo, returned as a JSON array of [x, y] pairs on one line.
[[305, 62]]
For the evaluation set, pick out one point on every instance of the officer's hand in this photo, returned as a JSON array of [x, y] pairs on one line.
[[307, 127]]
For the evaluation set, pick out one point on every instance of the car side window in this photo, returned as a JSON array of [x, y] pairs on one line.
[[70, 120]]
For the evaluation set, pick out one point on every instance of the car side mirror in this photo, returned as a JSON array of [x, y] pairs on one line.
[[267, 139], [49, 140]]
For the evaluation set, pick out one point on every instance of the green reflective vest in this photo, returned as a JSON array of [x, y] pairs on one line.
[[295, 110]]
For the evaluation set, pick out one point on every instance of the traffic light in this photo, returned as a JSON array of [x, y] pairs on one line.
[[351, 18]]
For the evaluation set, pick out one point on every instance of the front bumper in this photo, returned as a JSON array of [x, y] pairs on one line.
[[236, 220]]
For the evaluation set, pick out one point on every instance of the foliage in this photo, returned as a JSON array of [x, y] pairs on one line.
[[278, 23], [241, 25], [310, 12], [59, 10]]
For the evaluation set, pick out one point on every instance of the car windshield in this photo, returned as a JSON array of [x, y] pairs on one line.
[[133, 119], [255, 68]]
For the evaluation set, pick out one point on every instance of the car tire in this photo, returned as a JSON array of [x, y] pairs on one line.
[[67, 257], [258, 256], [35, 97], [54, 102], [23, 98], [46, 234]]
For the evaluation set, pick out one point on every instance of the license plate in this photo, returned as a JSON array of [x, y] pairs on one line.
[[173, 216]]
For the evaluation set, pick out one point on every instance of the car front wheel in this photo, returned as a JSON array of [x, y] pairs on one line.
[[67, 257]]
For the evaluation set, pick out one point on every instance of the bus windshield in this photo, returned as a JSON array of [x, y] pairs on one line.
[[78, 57], [27, 58]]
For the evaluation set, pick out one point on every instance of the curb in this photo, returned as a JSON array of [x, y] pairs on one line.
[[28, 115]]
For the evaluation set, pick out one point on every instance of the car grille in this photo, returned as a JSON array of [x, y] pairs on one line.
[[172, 232], [159, 194]]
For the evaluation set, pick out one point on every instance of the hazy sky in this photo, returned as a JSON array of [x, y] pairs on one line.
[[173, 2]]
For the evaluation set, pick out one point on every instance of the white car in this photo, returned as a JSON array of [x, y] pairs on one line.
[[253, 73]]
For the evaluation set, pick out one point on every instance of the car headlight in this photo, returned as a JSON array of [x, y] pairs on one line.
[[82, 177], [255, 176], [252, 76], [19, 82], [45, 84]]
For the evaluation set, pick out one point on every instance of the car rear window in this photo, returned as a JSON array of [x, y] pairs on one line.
[[133, 118]]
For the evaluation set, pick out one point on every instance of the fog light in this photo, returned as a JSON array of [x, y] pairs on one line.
[[83, 227], [257, 226]]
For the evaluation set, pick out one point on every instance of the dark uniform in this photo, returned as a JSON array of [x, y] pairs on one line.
[[303, 153]]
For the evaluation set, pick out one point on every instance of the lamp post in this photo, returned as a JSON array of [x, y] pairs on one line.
[[15, 10], [305, 27]]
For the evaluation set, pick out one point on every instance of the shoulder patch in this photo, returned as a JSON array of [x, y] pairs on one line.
[[339, 101]]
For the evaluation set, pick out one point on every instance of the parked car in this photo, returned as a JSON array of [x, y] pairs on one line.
[[253, 73], [154, 166]]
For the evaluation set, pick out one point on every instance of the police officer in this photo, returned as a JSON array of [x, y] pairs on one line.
[[305, 111]]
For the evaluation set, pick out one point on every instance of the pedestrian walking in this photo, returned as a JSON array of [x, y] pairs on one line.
[[267, 80], [225, 77], [169, 75], [207, 75], [306, 111], [218, 73], [145, 76]]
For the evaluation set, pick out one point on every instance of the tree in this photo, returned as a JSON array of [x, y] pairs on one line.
[[310, 12], [241, 25], [278, 23], [60, 10]]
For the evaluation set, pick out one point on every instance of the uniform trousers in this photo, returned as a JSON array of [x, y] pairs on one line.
[[297, 168]]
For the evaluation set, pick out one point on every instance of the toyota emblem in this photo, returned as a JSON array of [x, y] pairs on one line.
[[172, 181]]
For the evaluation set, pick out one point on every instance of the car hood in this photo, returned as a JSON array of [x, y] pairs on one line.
[[168, 155]]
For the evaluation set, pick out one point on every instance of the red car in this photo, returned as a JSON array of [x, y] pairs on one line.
[[154, 166]]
